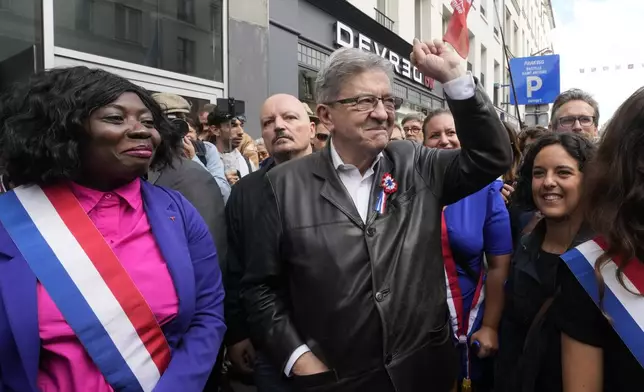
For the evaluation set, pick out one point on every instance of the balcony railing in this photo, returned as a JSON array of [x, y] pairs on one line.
[[384, 20]]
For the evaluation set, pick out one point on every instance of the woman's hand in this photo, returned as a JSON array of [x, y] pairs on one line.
[[506, 192], [488, 339], [188, 148]]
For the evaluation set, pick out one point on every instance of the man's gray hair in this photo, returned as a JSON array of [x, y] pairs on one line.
[[343, 64], [412, 117], [259, 142], [574, 94]]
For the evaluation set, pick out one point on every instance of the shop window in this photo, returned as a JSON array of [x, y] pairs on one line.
[[400, 91], [413, 96], [147, 32], [84, 15], [311, 57], [426, 101], [20, 40], [185, 55], [127, 21], [306, 85]]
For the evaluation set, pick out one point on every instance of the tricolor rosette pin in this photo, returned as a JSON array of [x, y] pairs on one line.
[[389, 186]]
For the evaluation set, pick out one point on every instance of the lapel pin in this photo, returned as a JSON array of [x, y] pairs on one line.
[[389, 186], [172, 218]]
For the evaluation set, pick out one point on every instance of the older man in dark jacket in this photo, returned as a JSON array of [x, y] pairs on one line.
[[345, 286]]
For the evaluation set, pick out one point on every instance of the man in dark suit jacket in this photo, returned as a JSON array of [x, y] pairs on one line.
[[286, 130], [200, 188], [345, 283], [202, 191]]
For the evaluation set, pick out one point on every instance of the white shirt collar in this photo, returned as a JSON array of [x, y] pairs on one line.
[[339, 164]]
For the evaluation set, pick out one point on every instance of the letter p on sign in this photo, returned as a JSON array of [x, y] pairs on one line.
[[533, 83]]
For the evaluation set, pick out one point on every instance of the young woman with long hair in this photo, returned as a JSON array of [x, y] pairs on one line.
[[600, 308], [550, 181]]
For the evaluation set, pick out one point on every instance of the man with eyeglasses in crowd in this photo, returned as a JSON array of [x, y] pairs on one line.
[[322, 135], [413, 127], [575, 111], [345, 284]]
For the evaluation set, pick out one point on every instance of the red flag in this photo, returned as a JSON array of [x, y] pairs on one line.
[[457, 33]]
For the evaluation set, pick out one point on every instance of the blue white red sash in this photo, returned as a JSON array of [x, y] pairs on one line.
[[462, 324], [90, 287], [625, 308]]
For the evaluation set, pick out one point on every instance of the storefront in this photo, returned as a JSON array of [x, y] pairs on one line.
[[303, 33], [177, 46]]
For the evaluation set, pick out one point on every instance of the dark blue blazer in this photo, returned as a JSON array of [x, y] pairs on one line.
[[194, 335]]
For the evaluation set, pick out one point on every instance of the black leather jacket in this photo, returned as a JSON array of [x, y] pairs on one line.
[[369, 299]]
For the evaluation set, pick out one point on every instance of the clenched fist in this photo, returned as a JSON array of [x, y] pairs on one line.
[[435, 60]]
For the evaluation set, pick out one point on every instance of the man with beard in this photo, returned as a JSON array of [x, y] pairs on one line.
[[286, 131], [228, 135], [345, 283]]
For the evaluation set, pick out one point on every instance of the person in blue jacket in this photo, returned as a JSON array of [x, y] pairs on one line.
[[477, 246]]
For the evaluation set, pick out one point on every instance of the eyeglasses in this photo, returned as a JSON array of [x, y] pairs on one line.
[[411, 129], [569, 121], [368, 103], [323, 137]]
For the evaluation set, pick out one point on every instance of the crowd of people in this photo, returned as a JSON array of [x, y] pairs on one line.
[[148, 247]]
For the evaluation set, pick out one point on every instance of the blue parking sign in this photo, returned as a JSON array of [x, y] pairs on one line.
[[536, 79]]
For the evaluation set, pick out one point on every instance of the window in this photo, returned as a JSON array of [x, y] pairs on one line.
[[469, 66], [414, 96], [20, 32], [306, 85], [384, 20], [185, 55], [426, 101], [127, 23], [497, 82], [482, 10], [482, 79], [311, 57], [400, 91], [84, 15], [381, 6], [148, 33], [186, 11]]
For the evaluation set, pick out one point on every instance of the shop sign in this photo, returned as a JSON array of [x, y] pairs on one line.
[[346, 37]]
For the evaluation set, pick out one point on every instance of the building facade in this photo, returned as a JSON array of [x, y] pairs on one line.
[[248, 49], [303, 33], [524, 25], [178, 46]]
